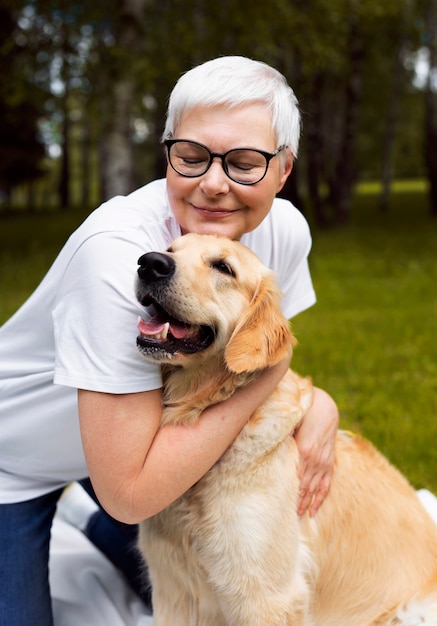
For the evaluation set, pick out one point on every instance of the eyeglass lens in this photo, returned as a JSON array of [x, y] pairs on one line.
[[241, 165]]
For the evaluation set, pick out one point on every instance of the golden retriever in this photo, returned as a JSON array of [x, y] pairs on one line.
[[232, 550]]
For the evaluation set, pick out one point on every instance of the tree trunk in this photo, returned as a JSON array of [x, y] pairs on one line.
[[117, 155], [391, 125], [431, 108], [64, 180], [117, 158], [315, 152], [30, 189], [85, 196], [341, 190]]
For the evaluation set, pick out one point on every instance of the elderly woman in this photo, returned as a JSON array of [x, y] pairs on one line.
[[76, 397]]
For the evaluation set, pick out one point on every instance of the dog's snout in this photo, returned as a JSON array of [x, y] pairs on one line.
[[155, 266]]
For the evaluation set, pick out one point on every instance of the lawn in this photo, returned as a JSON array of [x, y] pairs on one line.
[[370, 340], [28, 245]]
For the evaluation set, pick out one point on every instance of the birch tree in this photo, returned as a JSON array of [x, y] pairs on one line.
[[116, 142]]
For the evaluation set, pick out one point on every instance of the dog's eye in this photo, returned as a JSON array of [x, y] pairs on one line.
[[223, 268], [170, 249]]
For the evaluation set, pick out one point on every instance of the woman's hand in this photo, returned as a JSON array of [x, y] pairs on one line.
[[315, 440]]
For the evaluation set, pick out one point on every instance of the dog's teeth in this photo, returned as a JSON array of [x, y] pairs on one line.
[[165, 330]]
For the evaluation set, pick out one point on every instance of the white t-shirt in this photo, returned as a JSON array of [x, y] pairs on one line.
[[79, 328]]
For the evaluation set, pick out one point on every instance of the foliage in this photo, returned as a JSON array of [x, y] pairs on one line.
[[106, 69]]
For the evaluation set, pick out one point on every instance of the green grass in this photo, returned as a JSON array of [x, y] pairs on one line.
[[409, 186], [28, 245], [370, 340]]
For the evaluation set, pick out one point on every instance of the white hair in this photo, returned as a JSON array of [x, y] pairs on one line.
[[234, 81]]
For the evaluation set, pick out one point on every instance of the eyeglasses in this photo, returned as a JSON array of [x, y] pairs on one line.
[[242, 165]]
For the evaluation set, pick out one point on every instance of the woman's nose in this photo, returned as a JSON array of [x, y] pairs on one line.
[[215, 180]]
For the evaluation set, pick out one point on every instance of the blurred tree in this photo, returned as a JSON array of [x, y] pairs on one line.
[[343, 51], [21, 150], [399, 37], [107, 68], [83, 59], [116, 141], [431, 104], [51, 34], [344, 175]]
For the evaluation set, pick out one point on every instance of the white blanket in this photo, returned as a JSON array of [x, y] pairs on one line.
[[87, 590]]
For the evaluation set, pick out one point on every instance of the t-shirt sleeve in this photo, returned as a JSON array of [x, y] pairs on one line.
[[292, 267], [95, 318], [283, 243]]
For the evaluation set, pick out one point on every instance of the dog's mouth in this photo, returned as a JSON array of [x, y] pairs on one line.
[[163, 335]]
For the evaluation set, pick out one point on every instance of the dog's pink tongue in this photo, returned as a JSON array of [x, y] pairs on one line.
[[155, 327]]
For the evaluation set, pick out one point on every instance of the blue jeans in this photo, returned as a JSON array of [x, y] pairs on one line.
[[24, 553], [118, 543]]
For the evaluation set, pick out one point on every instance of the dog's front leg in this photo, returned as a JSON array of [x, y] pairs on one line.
[[251, 545], [180, 606], [258, 601], [181, 595]]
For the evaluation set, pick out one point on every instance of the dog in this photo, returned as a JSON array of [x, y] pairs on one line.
[[232, 550]]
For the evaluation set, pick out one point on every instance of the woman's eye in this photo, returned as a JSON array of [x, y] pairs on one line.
[[223, 268], [245, 167]]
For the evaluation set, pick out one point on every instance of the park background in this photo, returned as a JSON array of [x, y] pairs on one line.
[[83, 94]]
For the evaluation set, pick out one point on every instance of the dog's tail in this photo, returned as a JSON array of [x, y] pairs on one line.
[[418, 612]]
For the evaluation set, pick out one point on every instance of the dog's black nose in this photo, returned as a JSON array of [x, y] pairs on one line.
[[155, 266]]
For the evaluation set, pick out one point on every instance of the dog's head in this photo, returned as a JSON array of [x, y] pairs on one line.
[[208, 295]]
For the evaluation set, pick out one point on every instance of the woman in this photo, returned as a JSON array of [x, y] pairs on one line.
[[78, 400]]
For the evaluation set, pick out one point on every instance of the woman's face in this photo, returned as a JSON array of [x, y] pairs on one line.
[[213, 204]]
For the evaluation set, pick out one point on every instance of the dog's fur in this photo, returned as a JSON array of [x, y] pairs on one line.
[[232, 551]]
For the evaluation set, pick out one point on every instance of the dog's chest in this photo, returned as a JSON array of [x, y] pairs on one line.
[[218, 507]]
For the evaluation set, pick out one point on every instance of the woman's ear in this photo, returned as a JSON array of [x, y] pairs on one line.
[[262, 337], [286, 169]]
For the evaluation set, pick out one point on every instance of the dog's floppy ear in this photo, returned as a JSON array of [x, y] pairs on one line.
[[262, 337]]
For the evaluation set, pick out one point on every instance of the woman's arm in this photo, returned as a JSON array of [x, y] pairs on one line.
[[136, 467]]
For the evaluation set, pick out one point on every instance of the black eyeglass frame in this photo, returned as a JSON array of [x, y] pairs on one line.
[[212, 155]]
